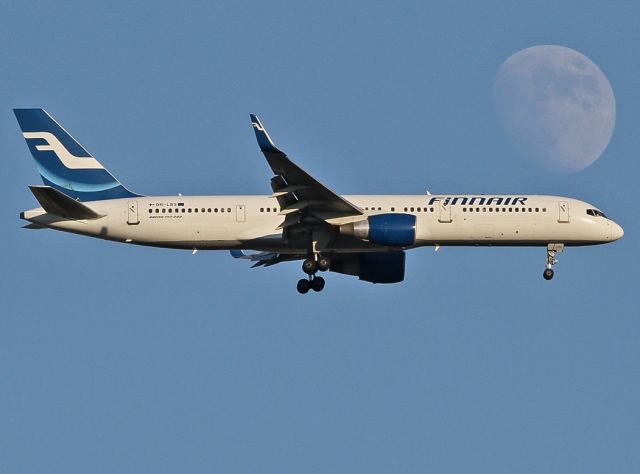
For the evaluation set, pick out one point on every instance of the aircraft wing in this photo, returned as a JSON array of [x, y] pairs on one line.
[[265, 259], [299, 194]]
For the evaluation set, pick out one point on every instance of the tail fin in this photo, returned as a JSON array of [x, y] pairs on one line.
[[63, 163]]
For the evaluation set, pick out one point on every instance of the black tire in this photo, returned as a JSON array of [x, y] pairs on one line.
[[317, 284], [323, 264], [303, 286], [547, 274], [309, 266]]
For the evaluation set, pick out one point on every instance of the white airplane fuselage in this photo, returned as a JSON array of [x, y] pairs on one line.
[[252, 222], [363, 236]]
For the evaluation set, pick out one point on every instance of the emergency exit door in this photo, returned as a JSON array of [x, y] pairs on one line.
[[563, 215], [445, 212], [132, 213], [241, 213]]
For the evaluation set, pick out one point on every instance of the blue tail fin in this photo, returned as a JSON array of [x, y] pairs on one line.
[[63, 163]]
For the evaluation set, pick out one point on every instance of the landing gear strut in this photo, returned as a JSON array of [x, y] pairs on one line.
[[552, 249]]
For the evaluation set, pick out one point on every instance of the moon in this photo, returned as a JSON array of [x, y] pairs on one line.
[[556, 105]]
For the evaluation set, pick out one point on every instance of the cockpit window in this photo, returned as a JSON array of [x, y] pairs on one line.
[[596, 213]]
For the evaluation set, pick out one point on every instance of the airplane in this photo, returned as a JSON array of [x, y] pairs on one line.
[[365, 235]]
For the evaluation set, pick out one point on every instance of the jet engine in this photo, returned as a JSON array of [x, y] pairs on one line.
[[393, 230]]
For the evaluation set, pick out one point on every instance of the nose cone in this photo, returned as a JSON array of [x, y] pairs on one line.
[[616, 231]]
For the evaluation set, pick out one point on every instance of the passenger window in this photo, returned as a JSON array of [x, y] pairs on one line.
[[157, 210], [537, 209], [405, 209], [431, 209], [170, 210], [464, 209], [164, 210], [510, 209], [484, 209], [189, 210], [412, 209], [491, 209], [183, 210], [544, 209], [393, 209], [222, 209], [274, 210], [150, 211]]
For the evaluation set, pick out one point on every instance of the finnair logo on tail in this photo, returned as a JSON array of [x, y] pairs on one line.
[[257, 126], [70, 161]]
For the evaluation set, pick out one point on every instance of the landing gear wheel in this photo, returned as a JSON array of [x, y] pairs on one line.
[[547, 274], [323, 264], [317, 284], [309, 266], [303, 286]]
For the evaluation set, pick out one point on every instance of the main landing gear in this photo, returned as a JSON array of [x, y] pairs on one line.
[[311, 266], [552, 249]]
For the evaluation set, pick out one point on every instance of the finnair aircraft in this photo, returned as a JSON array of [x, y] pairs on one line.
[[364, 236]]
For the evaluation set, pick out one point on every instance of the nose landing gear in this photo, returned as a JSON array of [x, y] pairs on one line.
[[552, 249]]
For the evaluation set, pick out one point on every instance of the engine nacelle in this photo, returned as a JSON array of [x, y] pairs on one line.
[[376, 267], [394, 230]]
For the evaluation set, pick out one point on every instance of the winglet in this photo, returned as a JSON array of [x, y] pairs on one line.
[[264, 140]]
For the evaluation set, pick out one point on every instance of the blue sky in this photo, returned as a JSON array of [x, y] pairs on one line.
[[117, 358]]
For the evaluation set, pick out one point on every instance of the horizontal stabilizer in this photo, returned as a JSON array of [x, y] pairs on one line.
[[33, 225], [254, 257], [55, 202]]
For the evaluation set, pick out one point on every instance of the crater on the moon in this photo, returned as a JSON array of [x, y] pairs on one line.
[[556, 105]]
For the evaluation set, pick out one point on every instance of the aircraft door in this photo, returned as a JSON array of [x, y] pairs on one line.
[[132, 213], [241, 214], [563, 215], [445, 211]]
